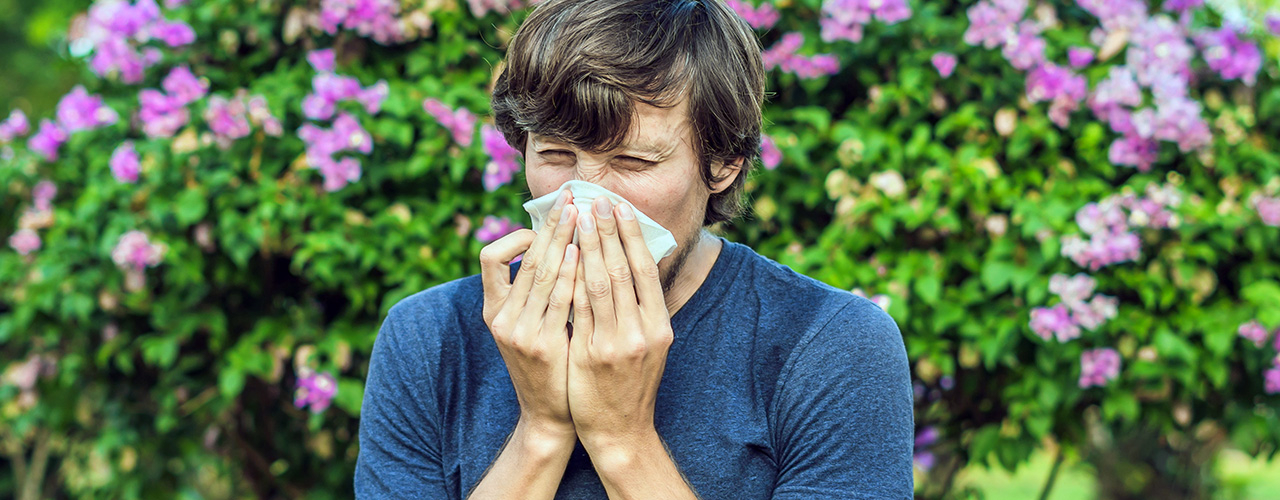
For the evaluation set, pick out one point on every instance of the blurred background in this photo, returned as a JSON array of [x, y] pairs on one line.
[[1071, 208]]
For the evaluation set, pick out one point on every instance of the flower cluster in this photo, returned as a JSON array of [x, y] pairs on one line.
[[134, 253], [163, 113], [14, 126], [1108, 225], [1060, 87], [922, 457], [944, 62], [77, 110], [1076, 310], [315, 390], [1268, 208], [38, 216], [125, 163], [494, 228], [376, 19], [845, 19], [770, 155], [1098, 366], [1230, 56], [461, 123], [503, 159], [229, 119], [1254, 332], [782, 55], [761, 18], [23, 375], [346, 134], [115, 30]]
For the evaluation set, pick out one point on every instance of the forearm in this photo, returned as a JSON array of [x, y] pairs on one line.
[[640, 468], [530, 466]]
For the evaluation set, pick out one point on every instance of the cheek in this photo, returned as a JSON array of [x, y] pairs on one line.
[[544, 179]]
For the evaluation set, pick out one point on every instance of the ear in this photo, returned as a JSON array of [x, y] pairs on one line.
[[729, 171]]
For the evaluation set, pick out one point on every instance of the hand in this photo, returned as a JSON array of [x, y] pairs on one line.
[[621, 331], [529, 317]]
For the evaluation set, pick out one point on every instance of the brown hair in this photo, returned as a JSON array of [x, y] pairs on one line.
[[575, 67]]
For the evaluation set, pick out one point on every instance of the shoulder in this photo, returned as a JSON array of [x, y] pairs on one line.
[[422, 317]]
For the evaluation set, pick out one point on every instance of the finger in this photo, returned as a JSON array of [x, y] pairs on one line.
[[562, 295], [583, 320], [643, 269], [533, 257], [615, 261], [495, 262], [595, 277], [545, 277]]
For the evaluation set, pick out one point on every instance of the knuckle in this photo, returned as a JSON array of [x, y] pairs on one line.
[[648, 271], [544, 275], [620, 272], [557, 302], [598, 288], [487, 256]]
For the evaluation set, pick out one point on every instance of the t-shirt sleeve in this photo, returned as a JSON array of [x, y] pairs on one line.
[[399, 433], [843, 421]]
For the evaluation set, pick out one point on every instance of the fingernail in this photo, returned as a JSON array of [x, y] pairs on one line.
[[624, 211], [587, 222], [560, 200], [603, 209], [565, 215]]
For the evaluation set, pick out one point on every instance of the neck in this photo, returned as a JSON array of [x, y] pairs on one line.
[[694, 272]]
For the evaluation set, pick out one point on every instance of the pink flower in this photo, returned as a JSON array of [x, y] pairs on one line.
[[227, 119], [376, 19], [1178, 120], [992, 22], [1079, 57], [461, 123], [1050, 82], [47, 139], [770, 156], [261, 116], [944, 62], [1273, 23], [371, 97], [1054, 322], [173, 33], [481, 7], [42, 194], [494, 228], [80, 111], [763, 17], [134, 251], [322, 60], [1158, 49], [1098, 366], [1268, 208], [1182, 5], [24, 241], [315, 390], [1253, 332], [183, 87], [1025, 49], [1134, 151], [13, 126], [337, 174], [124, 163], [1272, 380], [844, 19], [782, 55], [1113, 96], [1074, 290], [503, 159], [1116, 14], [1229, 55]]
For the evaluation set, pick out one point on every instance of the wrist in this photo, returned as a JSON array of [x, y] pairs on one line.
[[542, 441], [614, 454]]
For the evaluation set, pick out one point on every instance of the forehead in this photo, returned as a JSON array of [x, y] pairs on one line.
[[654, 129]]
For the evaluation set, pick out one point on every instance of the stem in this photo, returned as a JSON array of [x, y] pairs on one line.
[[1053, 474], [35, 476]]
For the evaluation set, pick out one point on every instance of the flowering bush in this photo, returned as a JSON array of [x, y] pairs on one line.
[[1070, 208]]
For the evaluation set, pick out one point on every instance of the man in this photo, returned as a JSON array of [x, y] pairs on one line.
[[715, 373]]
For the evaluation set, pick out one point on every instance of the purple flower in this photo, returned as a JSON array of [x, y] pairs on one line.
[[1079, 56], [80, 111], [1050, 82], [1098, 366], [329, 88], [124, 163], [1253, 332], [1230, 56], [376, 19], [134, 251], [24, 241], [371, 97], [844, 19], [1102, 250], [1054, 322], [227, 119], [1134, 151], [926, 437], [1073, 290], [503, 159], [878, 299], [481, 7], [345, 135], [322, 60], [1025, 49], [42, 194], [47, 139], [1178, 120], [315, 390], [1272, 380], [991, 23], [944, 62], [1158, 49], [161, 115], [1268, 208], [1273, 23], [494, 228], [461, 123], [770, 156], [173, 33], [1114, 96], [782, 55], [13, 126], [1182, 5], [1116, 14], [183, 87], [1096, 312], [763, 17], [261, 116], [923, 459], [337, 174]]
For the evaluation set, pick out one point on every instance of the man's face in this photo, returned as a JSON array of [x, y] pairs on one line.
[[655, 169]]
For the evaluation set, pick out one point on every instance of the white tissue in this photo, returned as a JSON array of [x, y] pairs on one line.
[[660, 241]]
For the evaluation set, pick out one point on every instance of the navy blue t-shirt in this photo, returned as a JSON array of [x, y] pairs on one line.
[[776, 386]]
